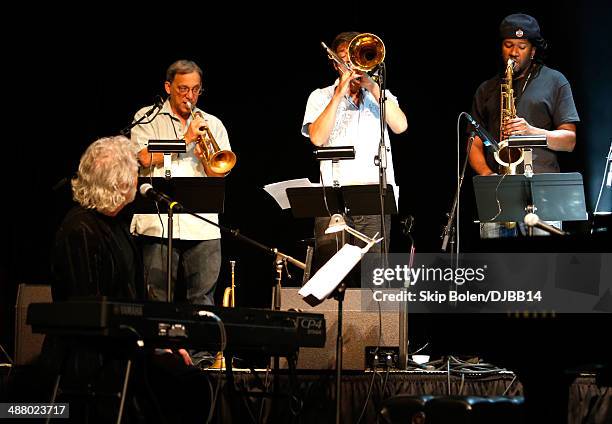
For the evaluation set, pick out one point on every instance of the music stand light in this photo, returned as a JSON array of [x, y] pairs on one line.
[[337, 224], [334, 153], [167, 146]]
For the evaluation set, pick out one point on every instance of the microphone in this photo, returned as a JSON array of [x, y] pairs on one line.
[[482, 133], [147, 190], [159, 102], [533, 220]]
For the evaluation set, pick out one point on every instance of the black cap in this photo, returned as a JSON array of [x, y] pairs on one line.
[[519, 25]]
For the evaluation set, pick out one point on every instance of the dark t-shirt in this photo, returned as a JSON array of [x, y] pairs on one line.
[[94, 255], [546, 103]]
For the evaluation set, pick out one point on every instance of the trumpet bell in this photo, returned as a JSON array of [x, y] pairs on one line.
[[222, 161], [366, 51]]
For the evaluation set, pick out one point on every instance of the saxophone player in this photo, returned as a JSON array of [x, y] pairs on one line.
[[543, 101]]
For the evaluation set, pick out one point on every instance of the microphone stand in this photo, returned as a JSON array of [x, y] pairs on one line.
[[280, 260], [169, 254], [381, 159], [125, 131], [159, 102], [449, 229], [280, 256]]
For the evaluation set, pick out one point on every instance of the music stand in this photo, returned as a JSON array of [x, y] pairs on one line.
[[322, 201], [308, 202], [554, 196], [199, 194]]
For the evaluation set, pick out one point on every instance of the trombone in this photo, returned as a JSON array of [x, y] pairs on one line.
[[365, 52]]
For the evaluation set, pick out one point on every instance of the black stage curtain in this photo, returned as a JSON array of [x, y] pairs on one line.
[[589, 402], [314, 399]]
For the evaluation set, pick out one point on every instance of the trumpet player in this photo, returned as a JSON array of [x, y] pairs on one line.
[[196, 244], [347, 113], [543, 101]]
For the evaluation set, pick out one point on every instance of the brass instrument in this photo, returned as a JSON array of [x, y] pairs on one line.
[[508, 158], [229, 301], [365, 52], [217, 160]]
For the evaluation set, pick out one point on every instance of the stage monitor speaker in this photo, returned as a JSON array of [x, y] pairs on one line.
[[28, 344], [360, 329]]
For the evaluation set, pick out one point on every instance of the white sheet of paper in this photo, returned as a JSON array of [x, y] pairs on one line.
[[279, 193], [329, 276]]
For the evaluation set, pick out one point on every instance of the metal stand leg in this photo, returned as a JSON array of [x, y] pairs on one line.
[[339, 343], [169, 257], [54, 395], [126, 378]]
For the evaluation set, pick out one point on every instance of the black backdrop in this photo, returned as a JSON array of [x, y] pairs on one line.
[[79, 73]]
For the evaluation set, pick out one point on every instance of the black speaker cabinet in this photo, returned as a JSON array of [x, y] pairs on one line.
[[360, 329], [28, 344]]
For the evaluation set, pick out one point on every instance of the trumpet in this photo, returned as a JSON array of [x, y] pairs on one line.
[[229, 301], [216, 160], [229, 298], [365, 52]]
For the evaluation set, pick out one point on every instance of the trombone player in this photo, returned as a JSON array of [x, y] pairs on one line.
[[347, 113], [196, 244]]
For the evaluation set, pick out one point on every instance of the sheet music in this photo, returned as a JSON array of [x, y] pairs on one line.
[[329, 276], [279, 193]]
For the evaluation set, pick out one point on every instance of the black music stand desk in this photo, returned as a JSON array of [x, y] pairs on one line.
[[554, 197], [307, 202], [198, 194]]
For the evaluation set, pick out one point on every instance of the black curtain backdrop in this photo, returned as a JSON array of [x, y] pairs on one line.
[[75, 74]]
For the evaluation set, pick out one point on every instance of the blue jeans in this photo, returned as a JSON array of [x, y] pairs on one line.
[[199, 263]]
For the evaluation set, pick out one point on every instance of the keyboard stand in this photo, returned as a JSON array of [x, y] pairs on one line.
[[88, 393]]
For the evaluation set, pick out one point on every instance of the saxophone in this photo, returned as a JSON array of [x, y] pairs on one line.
[[507, 158]]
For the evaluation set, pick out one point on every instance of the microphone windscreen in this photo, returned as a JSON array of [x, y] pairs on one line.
[[144, 188]]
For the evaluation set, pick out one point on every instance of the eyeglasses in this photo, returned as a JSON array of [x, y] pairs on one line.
[[196, 91]]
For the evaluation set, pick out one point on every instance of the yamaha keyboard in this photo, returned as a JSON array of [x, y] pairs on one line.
[[159, 324]]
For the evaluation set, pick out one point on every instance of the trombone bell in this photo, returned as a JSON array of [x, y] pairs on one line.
[[366, 51]]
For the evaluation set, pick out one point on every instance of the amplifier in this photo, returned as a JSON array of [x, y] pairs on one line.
[[27, 343], [360, 330]]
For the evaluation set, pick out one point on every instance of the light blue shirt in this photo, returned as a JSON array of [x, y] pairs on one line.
[[357, 126]]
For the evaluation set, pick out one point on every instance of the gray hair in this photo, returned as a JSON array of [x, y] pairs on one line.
[[107, 174], [183, 67]]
